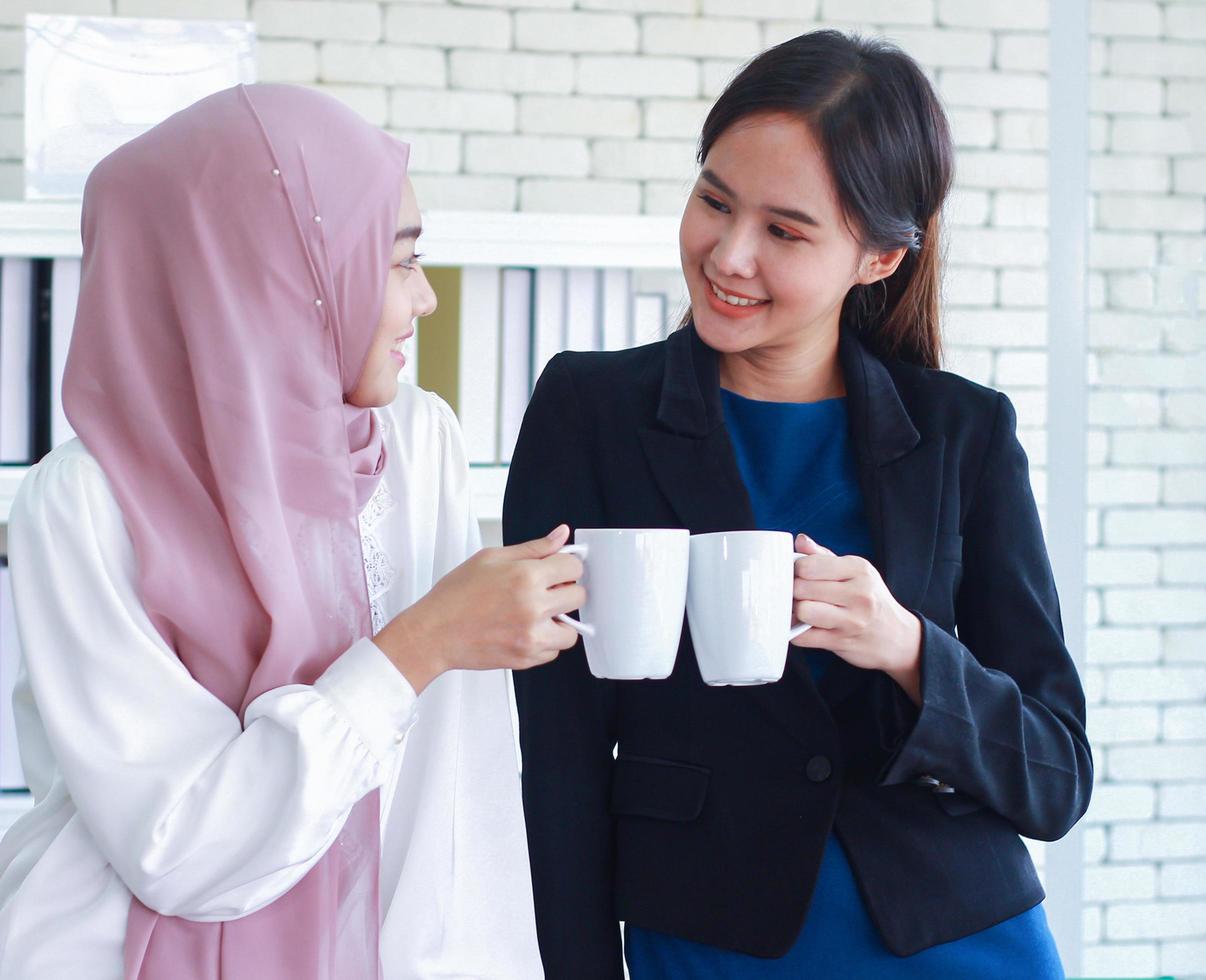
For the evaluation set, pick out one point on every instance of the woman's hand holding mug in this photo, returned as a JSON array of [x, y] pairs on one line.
[[855, 615], [495, 610]]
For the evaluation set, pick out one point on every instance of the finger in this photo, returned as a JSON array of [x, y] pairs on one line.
[[565, 599], [539, 658], [556, 569], [816, 639], [557, 636], [831, 567], [538, 547], [823, 590], [806, 545], [820, 614]]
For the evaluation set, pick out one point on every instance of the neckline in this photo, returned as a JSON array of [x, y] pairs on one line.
[[759, 401]]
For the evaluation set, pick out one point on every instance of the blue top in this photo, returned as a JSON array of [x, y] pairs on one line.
[[797, 465]]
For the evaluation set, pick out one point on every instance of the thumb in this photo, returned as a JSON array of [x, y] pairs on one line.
[[806, 546], [550, 544]]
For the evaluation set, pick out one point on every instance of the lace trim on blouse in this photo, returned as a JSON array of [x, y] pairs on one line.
[[379, 571]]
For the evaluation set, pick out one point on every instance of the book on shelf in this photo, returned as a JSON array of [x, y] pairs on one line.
[[64, 296], [582, 309], [548, 318], [649, 316], [16, 359], [38, 299], [477, 384], [515, 357], [615, 309], [12, 776]]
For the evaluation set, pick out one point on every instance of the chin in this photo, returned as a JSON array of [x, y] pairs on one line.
[[386, 394], [726, 337]]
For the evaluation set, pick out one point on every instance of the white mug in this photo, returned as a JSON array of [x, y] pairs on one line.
[[636, 591], [739, 605]]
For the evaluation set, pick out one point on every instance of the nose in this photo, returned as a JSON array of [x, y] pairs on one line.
[[425, 299], [734, 254]]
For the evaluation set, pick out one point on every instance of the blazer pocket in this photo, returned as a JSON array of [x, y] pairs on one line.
[[949, 547], [658, 788], [958, 804]]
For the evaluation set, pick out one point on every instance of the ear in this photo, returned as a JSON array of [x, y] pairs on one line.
[[879, 266]]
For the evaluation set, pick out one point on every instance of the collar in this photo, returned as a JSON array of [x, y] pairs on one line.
[[690, 399]]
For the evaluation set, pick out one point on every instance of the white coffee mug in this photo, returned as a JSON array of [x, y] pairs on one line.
[[739, 605], [636, 591]]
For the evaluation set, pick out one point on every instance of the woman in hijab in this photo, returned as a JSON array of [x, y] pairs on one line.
[[261, 712]]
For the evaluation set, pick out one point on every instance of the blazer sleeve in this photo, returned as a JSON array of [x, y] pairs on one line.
[[201, 815], [567, 724], [1002, 717]]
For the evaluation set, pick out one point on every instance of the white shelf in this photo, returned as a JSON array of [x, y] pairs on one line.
[[10, 479], [487, 482], [12, 805], [450, 238]]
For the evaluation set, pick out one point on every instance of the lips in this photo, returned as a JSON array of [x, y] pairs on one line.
[[752, 300], [734, 311]]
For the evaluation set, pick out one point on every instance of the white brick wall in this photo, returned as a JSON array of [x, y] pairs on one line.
[[595, 106]]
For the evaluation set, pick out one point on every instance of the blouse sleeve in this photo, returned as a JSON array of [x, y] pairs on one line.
[[201, 816]]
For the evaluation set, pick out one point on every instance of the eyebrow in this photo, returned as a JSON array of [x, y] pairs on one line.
[[791, 213], [414, 231]]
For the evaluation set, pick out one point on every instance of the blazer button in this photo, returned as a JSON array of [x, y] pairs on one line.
[[818, 769]]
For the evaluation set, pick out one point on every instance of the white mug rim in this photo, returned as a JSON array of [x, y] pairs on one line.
[[743, 532], [635, 530]]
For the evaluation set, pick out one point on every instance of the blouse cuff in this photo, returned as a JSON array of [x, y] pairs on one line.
[[371, 696]]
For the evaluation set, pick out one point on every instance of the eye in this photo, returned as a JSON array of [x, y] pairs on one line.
[[716, 205], [412, 263], [784, 235]]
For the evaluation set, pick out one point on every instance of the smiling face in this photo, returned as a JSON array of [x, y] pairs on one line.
[[766, 251], [407, 295]]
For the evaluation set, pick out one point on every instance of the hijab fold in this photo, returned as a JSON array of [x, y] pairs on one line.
[[234, 268]]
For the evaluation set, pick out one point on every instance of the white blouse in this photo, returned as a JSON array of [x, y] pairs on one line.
[[145, 782]]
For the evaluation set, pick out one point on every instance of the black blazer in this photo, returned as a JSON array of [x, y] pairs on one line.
[[711, 821]]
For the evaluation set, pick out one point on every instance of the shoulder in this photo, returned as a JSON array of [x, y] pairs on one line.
[[947, 404], [414, 409], [67, 501], [419, 423], [600, 382], [608, 367], [69, 479]]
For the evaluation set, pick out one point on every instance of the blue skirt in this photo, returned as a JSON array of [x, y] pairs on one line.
[[839, 940]]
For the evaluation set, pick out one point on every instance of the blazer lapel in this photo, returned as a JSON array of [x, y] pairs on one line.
[[901, 479], [688, 449]]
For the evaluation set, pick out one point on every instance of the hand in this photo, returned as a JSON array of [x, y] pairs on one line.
[[493, 611], [853, 614]]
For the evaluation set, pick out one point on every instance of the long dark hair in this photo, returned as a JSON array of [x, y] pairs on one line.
[[886, 140]]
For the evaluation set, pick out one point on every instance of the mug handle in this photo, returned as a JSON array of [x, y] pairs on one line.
[[799, 627], [581, 628]]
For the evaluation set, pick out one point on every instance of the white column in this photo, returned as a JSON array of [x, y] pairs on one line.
[[1067, 307]]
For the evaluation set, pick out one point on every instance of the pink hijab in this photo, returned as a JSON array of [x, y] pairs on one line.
[[235, 260]]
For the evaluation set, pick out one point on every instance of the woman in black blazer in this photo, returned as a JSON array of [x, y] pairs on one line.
[[861, 817]]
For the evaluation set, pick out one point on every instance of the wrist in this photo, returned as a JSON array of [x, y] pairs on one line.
[[413, 647], [904, 666]]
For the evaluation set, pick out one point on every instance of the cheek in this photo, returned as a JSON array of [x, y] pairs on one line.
[[694, 238], [805, 278], [395, 309]]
